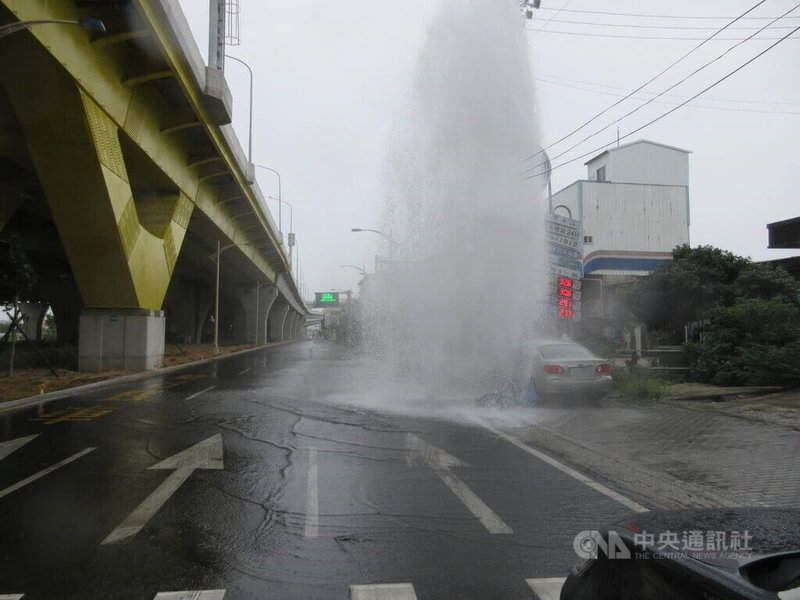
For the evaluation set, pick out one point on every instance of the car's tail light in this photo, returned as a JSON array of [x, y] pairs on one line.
[[554, 369], [604, 368]]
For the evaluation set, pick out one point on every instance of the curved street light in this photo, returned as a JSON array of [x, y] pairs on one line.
[[362, 269], [89, 24], [250, 126], [392, 243], [280, 223]]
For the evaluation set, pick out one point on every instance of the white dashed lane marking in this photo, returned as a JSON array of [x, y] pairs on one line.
[[383, 591], [312, 496], [20, 484], [195, 395], [547, 588]]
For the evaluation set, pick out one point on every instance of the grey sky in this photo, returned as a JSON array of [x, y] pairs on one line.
[[332, 81]]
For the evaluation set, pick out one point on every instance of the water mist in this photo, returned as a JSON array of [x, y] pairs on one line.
[[464, 286]]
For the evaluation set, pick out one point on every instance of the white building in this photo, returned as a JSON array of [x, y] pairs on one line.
[[634, 206]]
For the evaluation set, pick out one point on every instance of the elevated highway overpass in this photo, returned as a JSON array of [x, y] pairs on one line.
[[119, 176]]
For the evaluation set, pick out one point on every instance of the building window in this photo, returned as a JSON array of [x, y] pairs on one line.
[[588, 239], [601, 174]]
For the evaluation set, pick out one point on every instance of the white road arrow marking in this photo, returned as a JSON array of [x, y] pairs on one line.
[[20, 484], [202, 595], [420, 452], [205, 455], [547, 588], [8, 447], [383, 591]]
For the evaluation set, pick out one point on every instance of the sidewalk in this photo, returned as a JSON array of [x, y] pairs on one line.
[[25, 383], [681, 452]]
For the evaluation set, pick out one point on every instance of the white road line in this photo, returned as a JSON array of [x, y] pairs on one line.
[[32, 478], [8, 447], [634, 506], [11, 596], [195, 395], [201, 595], [383, 591], [547, 588], [245, 371], [312, 496], [476, 506]]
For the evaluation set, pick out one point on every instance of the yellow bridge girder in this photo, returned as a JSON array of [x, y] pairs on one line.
[[120, 179]]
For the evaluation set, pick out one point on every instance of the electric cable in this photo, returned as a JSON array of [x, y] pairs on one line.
[[673, 86], [669, 112], [641, 87]]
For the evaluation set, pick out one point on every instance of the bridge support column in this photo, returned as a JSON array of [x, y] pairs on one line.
[[122, 239], [277, 318], [33, 315], [113, 339], [266, 297]]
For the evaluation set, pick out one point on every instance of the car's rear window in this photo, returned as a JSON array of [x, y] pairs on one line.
[[564, 351]]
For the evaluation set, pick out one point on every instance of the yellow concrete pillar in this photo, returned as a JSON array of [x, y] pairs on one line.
[[122, 244]]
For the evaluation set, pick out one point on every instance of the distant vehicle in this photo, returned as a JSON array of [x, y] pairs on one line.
[[566, 370], [701, 554]]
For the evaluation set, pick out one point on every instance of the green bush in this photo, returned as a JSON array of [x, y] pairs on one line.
[[639, 384], [755, 341]]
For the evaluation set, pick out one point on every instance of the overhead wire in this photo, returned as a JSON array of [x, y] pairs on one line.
[[642, 37], [637, 26], [612, 87], [682, 104], [702, 106], [648, 82], [672, 87], [651, 16], [566, 4]]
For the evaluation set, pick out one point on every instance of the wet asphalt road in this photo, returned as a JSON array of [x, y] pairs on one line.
[[285, 473]]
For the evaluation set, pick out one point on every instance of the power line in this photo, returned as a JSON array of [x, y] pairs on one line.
[[616, 14], [636, 26], [672, 87], [724, 108], [669, 112], [612, 87], [659, 74], [566, 4], [642, 37]]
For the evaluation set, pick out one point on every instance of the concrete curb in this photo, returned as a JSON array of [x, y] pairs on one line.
[[58, 394]]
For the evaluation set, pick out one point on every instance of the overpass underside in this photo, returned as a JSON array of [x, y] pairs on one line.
[[119, 177]]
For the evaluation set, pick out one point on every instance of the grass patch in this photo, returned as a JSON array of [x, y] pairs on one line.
[[639, 384]]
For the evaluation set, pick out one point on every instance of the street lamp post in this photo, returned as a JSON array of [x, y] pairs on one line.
[[362, 269], [250, 126], [292, 240], [388, 236], [216, 258], [280, 223], [88, 24]]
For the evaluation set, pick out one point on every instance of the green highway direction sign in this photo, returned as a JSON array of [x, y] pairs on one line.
[[326, 299]]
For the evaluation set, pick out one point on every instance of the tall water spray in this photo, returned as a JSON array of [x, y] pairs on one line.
[[463, 288]]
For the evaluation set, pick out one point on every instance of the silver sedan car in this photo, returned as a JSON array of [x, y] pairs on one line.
[[566, 369]]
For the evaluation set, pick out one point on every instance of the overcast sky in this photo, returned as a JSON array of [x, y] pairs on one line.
[[332, 81]]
